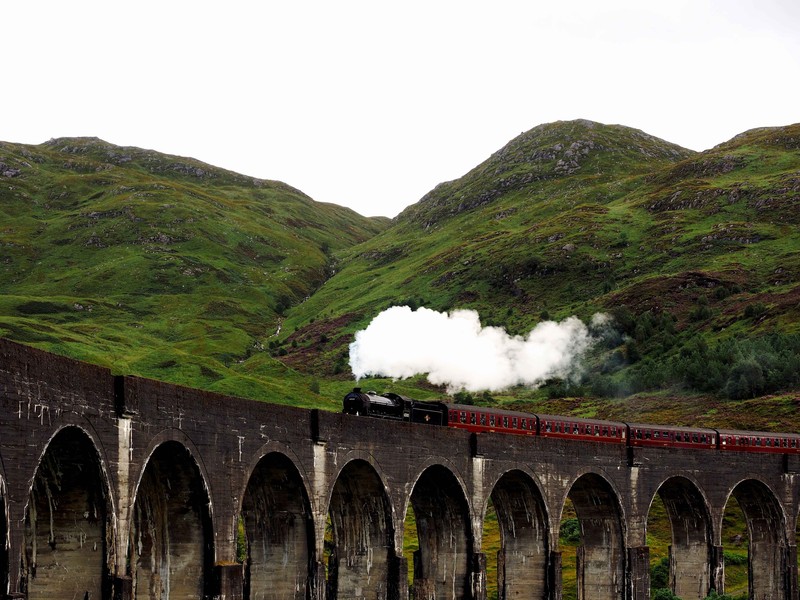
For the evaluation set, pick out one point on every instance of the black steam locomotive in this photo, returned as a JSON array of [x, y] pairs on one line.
[[394, 406]]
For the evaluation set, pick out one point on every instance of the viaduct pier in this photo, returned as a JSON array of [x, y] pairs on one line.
[[115, 487]]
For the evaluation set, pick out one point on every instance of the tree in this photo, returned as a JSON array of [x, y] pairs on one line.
[[746, 380]]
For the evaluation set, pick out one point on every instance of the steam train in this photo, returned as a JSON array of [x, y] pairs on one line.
[[482, 420]]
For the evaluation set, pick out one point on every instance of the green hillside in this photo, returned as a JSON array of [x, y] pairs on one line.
[[160, 265], [173, 269], [695, 254]]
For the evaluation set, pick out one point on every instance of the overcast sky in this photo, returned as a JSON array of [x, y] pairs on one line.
[[370, 104]]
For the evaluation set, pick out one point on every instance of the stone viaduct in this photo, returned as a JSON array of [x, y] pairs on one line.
[[127, 488]]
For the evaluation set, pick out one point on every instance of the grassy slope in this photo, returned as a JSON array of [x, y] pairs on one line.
[[625, 220], [159, 265]]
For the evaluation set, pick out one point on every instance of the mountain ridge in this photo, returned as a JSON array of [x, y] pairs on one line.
[[546, 152]]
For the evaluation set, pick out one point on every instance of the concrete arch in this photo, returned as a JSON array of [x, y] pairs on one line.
[[69, 532], [363, 456], [369, 458], [273, 447], [361, 517], [442, 563], [522, 563], [690, 555], [171, 543], [279, 531], [601, 560], [436, 461], [178, 436], [768, 556]]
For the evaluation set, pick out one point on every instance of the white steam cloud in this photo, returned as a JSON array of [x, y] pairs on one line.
[[454, 350]]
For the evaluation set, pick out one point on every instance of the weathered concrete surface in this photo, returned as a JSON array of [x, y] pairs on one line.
[[278, 528], [128, 488]]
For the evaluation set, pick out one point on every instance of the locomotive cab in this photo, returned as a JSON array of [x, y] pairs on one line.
[[429, 413]]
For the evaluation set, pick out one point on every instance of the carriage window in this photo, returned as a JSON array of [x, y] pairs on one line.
[[605, 431], [656, 435], [638, 434], [505, 421], [483, 419], [472, 418], [758, 441], [463, 417], [575, 429], [547, 426], [491, 420], [514, 422], [694, 438], [614, 431], [793, 443], [524, 423]]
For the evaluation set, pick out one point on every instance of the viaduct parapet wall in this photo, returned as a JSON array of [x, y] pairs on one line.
[[127, 488]]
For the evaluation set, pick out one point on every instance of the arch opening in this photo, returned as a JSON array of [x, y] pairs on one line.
[[278, 532], [441, 565], [171, 543], [67, 526], [361, 535], [680, 540], [600, 553], [766, 545], [522, 558]]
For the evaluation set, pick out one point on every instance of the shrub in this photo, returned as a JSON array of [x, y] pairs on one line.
[[570, 531], [746, 380], [464, 398], [714, 596], [659, 578], [663, 594], [755, 310], [701, 312]]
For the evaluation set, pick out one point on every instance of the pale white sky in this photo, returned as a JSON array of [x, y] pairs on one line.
[[370, 104]]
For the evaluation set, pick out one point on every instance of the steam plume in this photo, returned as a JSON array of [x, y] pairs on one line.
[[453, 349]]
